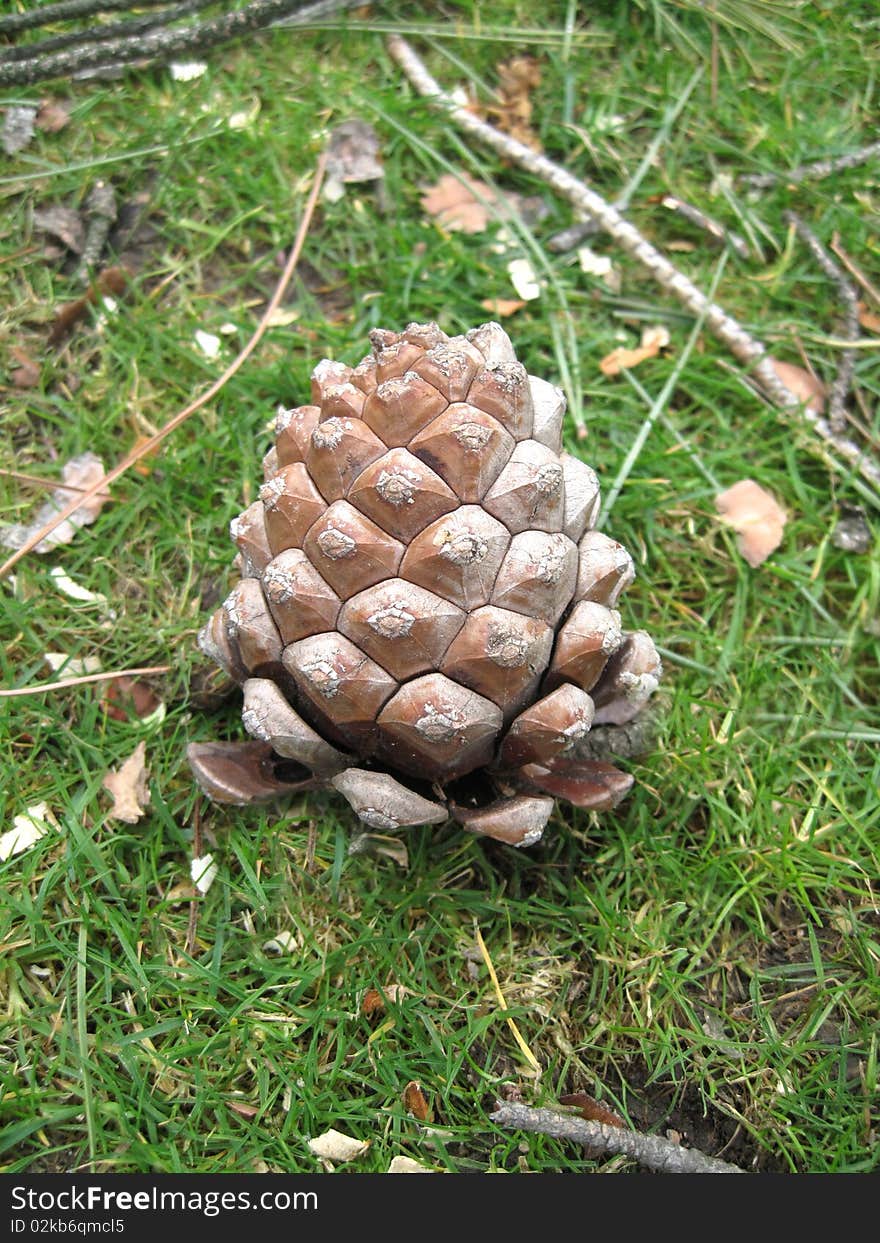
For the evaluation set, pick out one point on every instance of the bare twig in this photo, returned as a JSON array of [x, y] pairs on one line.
[[158, 43], [173, 423], [744, 347], [805, 172], [694, 216], [842, 381], [19, 692], [655, 1152]]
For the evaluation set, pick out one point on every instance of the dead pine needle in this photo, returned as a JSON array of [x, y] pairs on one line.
[[147, 446], [654, 1152], [517, 1034], [65, 683]]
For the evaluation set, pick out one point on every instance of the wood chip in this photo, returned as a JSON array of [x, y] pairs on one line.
[[335, 1146]]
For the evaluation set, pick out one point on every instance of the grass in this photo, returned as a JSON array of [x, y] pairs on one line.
[[703, 960]]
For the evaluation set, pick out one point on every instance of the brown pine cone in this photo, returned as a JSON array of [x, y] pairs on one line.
[[426, 617]]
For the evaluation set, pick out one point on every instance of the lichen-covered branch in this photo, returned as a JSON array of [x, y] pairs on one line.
[[105, 32], [655, 1152], [158, 43]]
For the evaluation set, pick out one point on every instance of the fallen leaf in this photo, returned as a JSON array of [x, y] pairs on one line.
[[243, 1110], [128, 786], [414, 1102], [523, 278], [207, 343], [353, 153], [110, 281], [374, 999], [593, 264], [202, 869], [804, 385], [27, 829], [591, 1110], [68, 587], [502, 307], [868, 319], [380, 844], [517, 78], [653, 341], [72, 666], [27, 373], [334, 1146], [406, 1165], [63, 223], [756, 517], [18, 128], [52, 115], [80, 472], [127, 699], [453, 203], [284, 942]]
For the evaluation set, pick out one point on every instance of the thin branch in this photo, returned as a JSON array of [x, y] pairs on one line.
[[655, 1152], [846, 365], [161, 43], [744, 347], [19, 692], [805, 172], [855, 272], [173, 423], [693, 215], [65, 10], [40, 482], [103, 33]]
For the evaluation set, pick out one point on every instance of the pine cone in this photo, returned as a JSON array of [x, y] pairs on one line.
[[426, 617]]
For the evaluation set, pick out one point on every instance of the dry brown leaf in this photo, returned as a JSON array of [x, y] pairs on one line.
[[653, 341], [243, 1110], [453, 204], [110, 281], [127, 699], [756, 516], [517, 78], [588, 1107], [802, 383], [128, 786], [27, 373], [81, 473], [415, 1103], [374, 999], [869, 320], [52, 115], [502, 307]]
